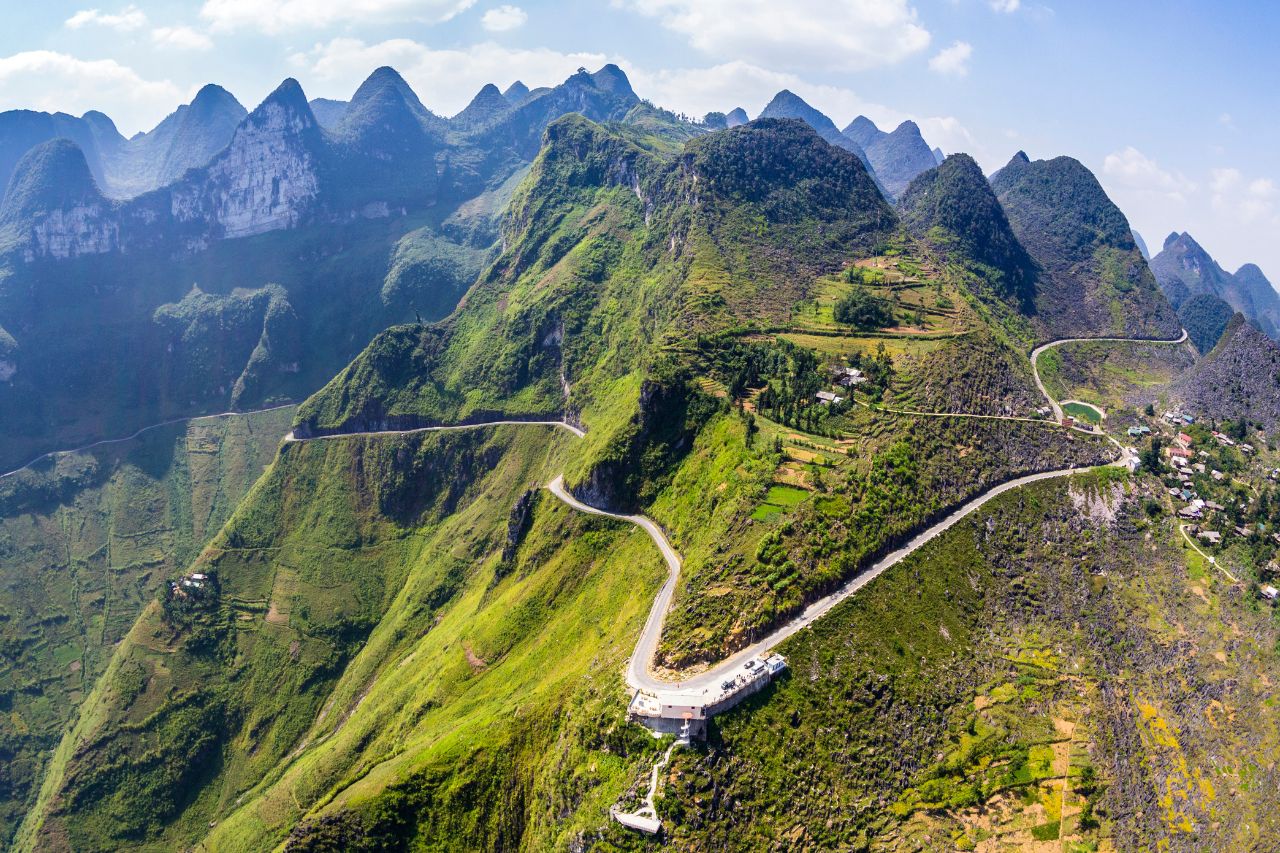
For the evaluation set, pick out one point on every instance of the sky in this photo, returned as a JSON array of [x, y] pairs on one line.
[[1171, 104]]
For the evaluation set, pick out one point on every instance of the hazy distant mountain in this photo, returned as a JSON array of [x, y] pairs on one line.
[[1142, 244], [188, 137], [896, 157], [328, 111], [736, 116], [516, 93], [486, 106], [302, 242], [863, 131], [787, 104], [1093, 279], [938, 155], [1184, 269]]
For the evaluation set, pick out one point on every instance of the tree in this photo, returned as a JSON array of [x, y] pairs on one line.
[[1150, 456], [863, 310]]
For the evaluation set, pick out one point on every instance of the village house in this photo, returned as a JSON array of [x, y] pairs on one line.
[[827, 398], [1269, 592], [1180, 452], [1199, 466], [1244, 532], [1192, 512], [1246, 448], [1217, 475], [850, 376], [1184, 439], [1213, 537]]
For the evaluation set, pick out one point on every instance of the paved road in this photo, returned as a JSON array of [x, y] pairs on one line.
[[638, 669], [1035, 359], [106, 441], [449, 428], [639, 672]]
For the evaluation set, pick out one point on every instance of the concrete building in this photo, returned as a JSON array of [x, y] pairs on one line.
[[685, 711]]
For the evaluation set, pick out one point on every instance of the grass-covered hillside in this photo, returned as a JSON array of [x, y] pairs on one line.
[[1057, 671], [368, 622], [86, 541], [402, 642]]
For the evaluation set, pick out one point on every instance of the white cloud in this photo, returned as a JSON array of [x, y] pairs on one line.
[[274, 16], [45, 80], [1246, 201], [1134, 171], [181, 38], [1006, 6], [447, 79], [847, 35], [129, 18], [503, 18], [953, 61]]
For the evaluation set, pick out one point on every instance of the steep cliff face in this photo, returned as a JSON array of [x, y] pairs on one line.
[[268, 177]]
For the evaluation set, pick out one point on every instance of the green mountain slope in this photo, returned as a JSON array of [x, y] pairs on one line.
[[954, 209], [86, 542], [1093, 280], [402, 642]]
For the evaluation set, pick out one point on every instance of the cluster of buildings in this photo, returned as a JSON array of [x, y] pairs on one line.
[[188, 584]]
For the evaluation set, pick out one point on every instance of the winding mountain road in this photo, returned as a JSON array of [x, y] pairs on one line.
[[1040, 350], [640, 674], [145, 429]]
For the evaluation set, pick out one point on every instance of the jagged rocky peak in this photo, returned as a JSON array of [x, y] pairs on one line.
[[516, 93], [487, 105], [938, 156], [284, 110], [863, 131], [267, 177], [735, 117], [1171, 239], [900, 156]]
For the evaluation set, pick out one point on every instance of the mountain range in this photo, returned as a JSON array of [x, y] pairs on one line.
[[1205, 295], [566, 370]]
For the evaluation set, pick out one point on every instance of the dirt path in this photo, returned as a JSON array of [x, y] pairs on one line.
[[1209, 558]]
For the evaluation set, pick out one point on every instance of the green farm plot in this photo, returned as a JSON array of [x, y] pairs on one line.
[[778, 500]]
